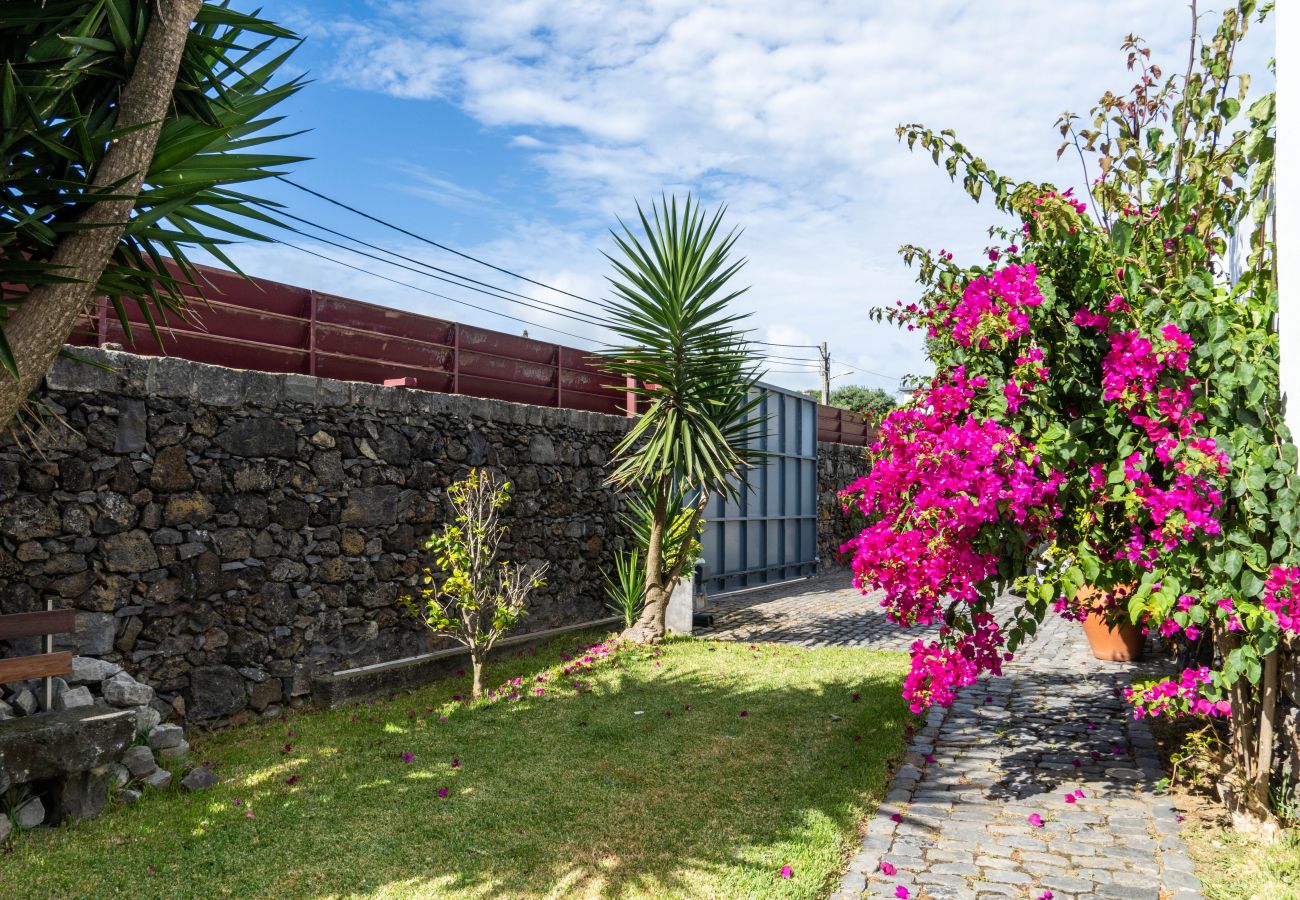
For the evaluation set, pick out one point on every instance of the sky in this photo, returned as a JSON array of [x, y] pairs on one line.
[[520, 131]]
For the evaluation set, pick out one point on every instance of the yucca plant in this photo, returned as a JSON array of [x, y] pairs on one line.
[[625, 587], [681, 548], [694, 372], [126, 127]]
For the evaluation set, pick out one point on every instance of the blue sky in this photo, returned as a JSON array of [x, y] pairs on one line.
[[518, 131]]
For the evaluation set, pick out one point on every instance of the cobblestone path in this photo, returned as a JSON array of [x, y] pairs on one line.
[[956, 822]]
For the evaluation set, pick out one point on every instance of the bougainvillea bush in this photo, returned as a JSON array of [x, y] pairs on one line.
[[1105, 410]]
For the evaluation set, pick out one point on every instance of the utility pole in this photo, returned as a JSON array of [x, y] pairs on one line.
[[826, 375]]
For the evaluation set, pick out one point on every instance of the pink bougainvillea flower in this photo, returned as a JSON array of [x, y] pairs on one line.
[[292, 779], [1036, 820], [1077, 762], [287, 748], [856, 696], [1095, 755], [455, 763], [1070, 798], [787, 872], [237, 802], [442, 792], [407, 757], [896, 818], [744, 713], [888, 868], [929, 757], [1045, 895], [857, 737], [455, 698], [902, 893]]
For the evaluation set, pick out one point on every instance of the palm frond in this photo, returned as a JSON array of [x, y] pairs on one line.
[[686, 351]]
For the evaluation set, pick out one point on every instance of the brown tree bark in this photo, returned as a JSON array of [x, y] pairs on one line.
[[476, 658], [38, 328], [650, 625]]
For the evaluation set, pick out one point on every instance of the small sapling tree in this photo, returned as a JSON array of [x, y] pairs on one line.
[[478, 598]]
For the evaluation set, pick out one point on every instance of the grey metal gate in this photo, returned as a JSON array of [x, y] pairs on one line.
[[770, 533]]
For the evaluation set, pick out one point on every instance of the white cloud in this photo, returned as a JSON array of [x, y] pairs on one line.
[[783, 110]]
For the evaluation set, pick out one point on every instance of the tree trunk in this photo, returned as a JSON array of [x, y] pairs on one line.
[[649, 627], [476, 663], [1244, 789], [38, 328]]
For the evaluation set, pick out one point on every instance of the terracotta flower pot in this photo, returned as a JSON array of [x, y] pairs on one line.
[[1120, 643]]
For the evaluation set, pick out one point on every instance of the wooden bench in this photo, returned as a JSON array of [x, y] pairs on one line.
[[42, 665]]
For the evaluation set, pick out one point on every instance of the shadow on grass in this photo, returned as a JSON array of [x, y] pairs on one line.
[[650, 783]]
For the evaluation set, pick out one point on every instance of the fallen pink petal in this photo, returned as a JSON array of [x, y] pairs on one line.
[[902, 893], [888, 868], [1036, 820]]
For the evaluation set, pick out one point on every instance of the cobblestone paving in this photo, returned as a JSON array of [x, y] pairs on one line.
[[817, 612], [1011, 747]]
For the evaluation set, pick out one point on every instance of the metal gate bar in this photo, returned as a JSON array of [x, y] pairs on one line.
[[769, 534]]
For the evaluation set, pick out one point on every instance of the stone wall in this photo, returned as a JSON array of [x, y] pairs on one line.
[[227, 534], [838, 465]]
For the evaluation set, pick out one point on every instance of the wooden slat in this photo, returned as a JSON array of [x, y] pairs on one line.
[[31, 624], [43, 666]]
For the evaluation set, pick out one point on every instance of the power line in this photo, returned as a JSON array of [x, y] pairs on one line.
[[793, 359], [794, 346], [574, 317], [869, 372], [416, 287], [431, 242], [356, 240]]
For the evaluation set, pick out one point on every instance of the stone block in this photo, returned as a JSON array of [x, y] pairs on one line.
[[199, 778], [88, 670], [164, 736], [30, 814], [175, 754], [74, 697], [122, 690], [139, 761], [146, 718], [82, 795], [216, 691], [158, 779], [58, 743]]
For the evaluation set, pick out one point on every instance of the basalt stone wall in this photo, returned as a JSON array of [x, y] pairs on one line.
[[838, 465], [227, 534]]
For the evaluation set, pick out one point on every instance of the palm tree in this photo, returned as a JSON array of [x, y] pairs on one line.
[[130, 131], [693, 370]]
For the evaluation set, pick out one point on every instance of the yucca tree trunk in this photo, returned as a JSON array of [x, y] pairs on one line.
[[38, 328], [649, 626]]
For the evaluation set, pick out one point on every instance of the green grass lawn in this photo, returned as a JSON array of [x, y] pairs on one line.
[[647, 781], [1234, 868]]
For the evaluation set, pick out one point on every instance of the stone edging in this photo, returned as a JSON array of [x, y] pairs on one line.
[[880, 828]]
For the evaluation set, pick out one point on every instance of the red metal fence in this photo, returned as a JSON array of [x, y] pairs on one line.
[[272, 327], [842, 426]]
